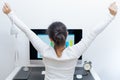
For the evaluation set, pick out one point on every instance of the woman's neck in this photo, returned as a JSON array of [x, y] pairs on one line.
[[59, 50]]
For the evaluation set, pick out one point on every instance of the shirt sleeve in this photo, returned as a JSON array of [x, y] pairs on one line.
[[38, 44], [85, 42]]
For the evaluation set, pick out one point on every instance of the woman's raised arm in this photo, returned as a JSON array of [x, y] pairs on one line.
[[35, 40]]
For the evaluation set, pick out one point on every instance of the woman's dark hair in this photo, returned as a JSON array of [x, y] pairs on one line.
[[57, 31]]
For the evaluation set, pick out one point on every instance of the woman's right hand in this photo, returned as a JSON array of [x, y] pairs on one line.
[[6, 8]]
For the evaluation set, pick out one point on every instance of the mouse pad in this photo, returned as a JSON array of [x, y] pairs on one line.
[[34, 73], [22, 75]]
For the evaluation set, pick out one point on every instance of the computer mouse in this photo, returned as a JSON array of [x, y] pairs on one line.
[[43, 73], [78, 76], [25, 69]]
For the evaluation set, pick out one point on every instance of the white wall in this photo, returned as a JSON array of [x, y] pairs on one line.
[[104, 51], [7, 47]]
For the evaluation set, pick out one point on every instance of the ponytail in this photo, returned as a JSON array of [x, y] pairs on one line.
[[57, 31]]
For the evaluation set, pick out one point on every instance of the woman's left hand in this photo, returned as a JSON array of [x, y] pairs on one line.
[[113, 9]]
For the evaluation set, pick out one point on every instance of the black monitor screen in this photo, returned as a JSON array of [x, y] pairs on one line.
[[74, 36]]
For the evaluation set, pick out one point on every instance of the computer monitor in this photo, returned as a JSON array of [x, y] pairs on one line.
[[74, 36]]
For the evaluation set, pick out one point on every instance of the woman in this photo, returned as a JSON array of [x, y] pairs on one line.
[[59, 61]]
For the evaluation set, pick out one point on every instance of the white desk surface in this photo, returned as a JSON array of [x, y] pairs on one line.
[[14, 72]]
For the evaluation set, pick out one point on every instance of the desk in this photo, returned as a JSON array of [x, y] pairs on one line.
[[14, 72]]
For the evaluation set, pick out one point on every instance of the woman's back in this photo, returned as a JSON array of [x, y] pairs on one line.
[[59, 68]]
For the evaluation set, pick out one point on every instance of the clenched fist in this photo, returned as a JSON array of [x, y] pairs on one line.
[[113, 9], [6, 8]]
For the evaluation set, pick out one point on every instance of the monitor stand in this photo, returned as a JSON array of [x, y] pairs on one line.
[[37, 62]]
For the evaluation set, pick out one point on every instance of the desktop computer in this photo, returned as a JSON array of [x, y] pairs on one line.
[[74, 36]]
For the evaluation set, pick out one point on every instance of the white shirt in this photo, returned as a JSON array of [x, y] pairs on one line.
[[60, 68]]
